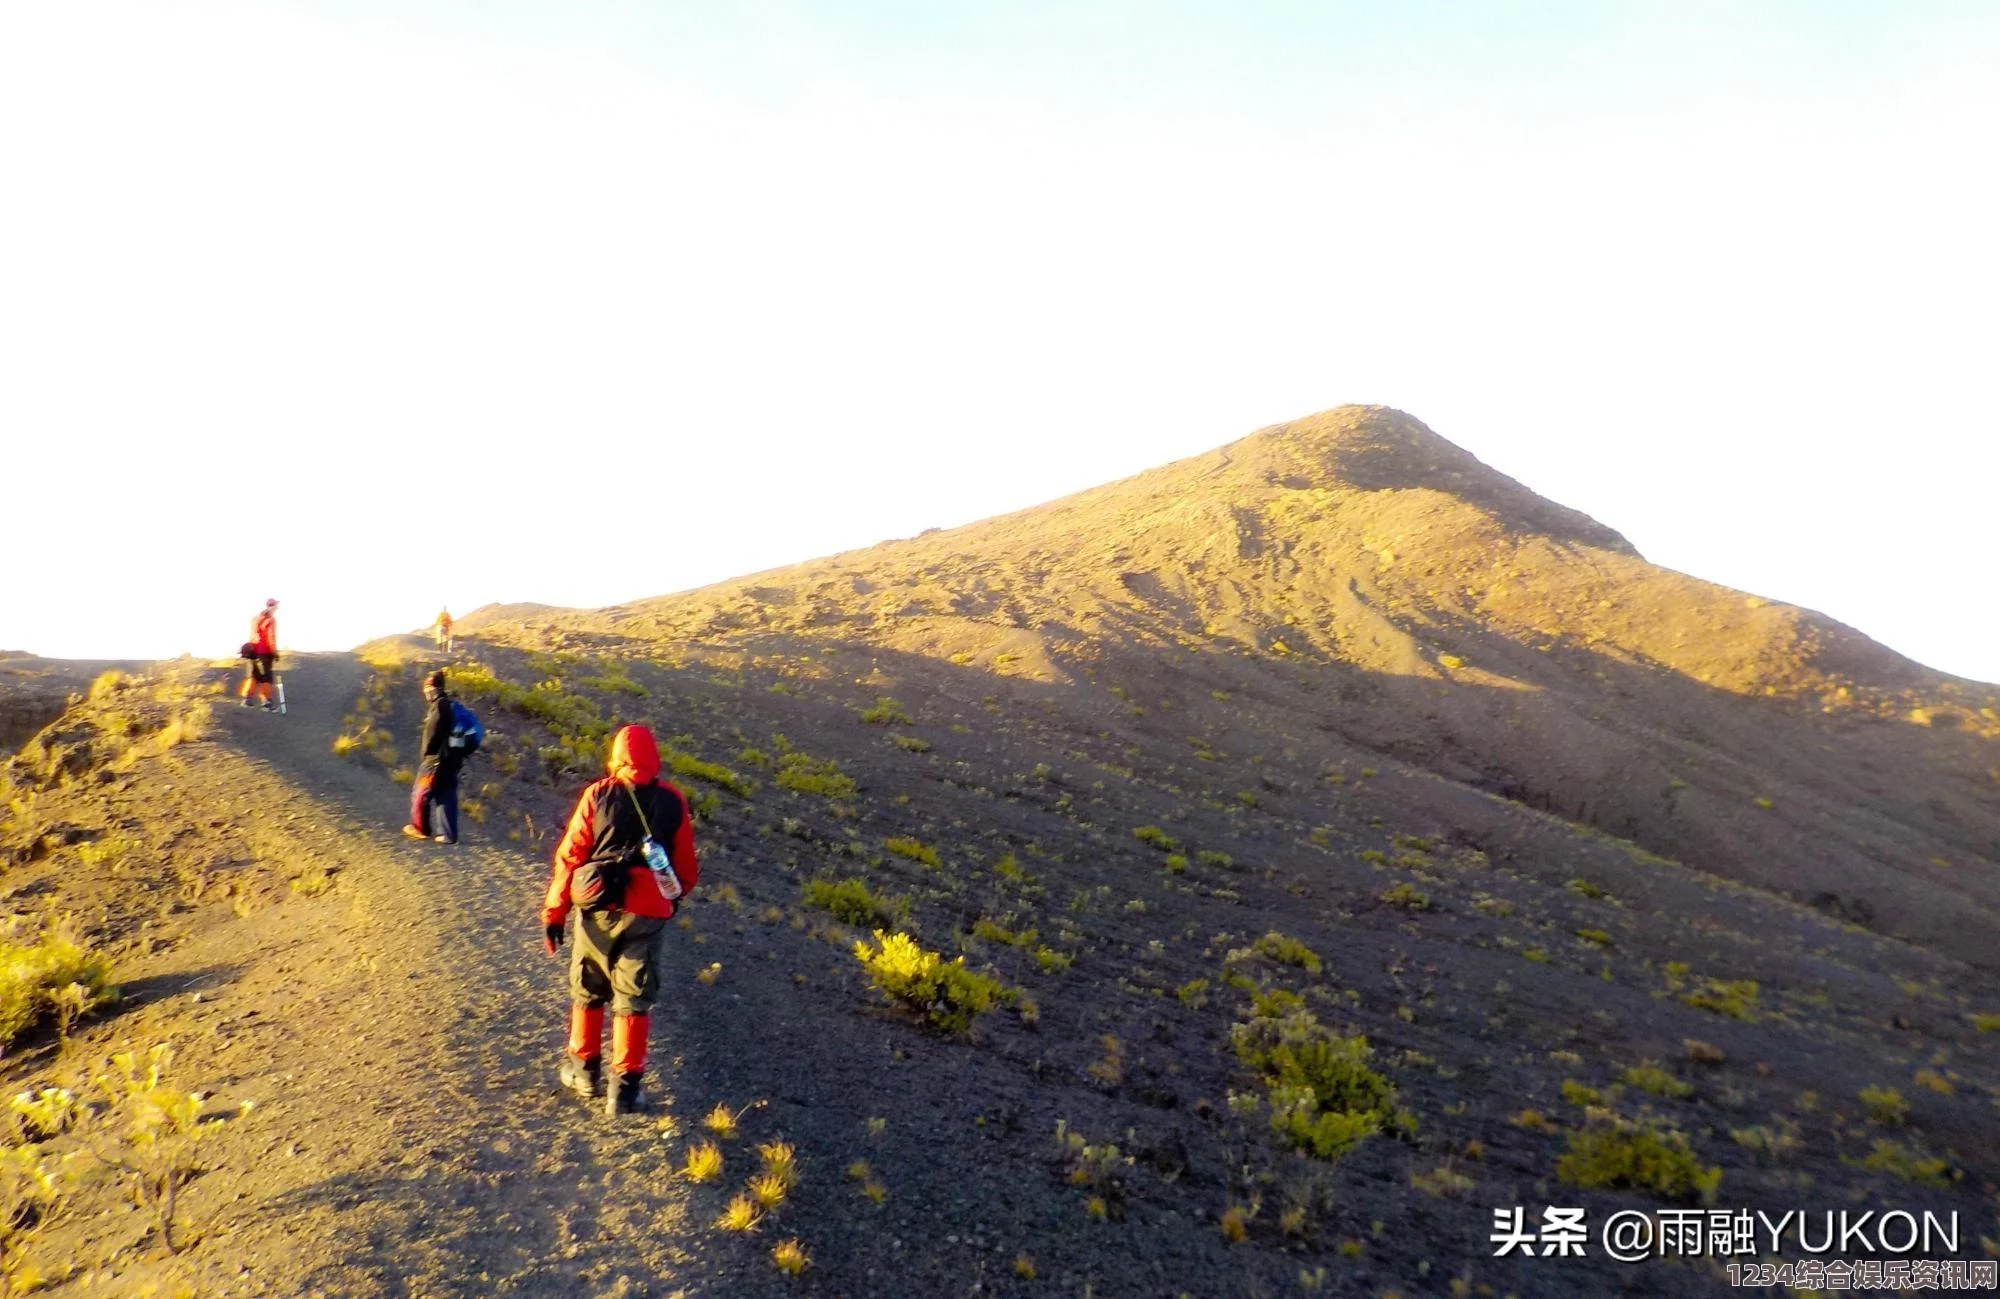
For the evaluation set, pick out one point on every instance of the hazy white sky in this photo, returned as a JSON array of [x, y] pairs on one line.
[[372, 306]]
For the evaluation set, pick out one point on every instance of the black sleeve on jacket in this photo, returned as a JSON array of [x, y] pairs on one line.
[[437, 728]]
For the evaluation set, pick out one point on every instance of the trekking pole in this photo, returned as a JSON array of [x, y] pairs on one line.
[[281, 694]]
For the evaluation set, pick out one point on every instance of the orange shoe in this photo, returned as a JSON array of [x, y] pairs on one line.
[[411, 832]]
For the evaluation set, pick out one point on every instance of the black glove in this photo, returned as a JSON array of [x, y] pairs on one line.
[[552, 937]]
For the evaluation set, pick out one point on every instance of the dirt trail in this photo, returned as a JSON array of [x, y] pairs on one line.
[[396, 1038]]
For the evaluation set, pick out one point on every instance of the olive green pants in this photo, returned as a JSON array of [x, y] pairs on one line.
[[615, 958]]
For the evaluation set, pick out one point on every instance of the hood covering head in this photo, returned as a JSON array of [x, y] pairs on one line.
[[634, 756], [434, 683]]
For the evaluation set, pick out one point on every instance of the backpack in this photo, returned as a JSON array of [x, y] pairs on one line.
[[466, 732]]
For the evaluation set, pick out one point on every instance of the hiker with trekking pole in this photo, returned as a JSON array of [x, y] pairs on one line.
[[625, 860]]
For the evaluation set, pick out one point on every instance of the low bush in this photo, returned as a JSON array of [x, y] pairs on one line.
[[945, 992], [53, 976], [1637, 1157], [850, 901]]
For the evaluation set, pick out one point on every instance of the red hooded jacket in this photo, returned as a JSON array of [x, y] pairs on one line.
[[264, 633], [604, 819]]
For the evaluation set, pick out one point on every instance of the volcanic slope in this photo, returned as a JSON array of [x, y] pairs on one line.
[[1356, 584]]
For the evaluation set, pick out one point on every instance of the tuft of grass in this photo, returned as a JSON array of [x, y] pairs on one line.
[[704, 1162], [769, 1189], [1637, 1157], [1024, 1267], [37, 976], [1885, 1105], [1405, 895], [1655, 1081], [911, 743], [804, 774], [1051, 961], [713, 773], [886, 712], [1595, 937], [721, 1121], [948, 995], [912, 849], [1288, 951], [1235, 1224], [1986, 1023], [781, 1161], [1910, 1164], [740, 1216], [1700, 1052], [791, 1257], [1154, 836], [850, 901]]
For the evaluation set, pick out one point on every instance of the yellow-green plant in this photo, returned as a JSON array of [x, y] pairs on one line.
[[1637, 1157], [948, 994], [913, 849], [1288, 951], [35, 977], [151, 1132], [850, 901], [791, 1257]]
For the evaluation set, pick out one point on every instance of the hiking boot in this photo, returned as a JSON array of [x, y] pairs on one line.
[[270, 708], [584, 1077], [411, 832], [245, 701], [626, 1096], [444, 838]]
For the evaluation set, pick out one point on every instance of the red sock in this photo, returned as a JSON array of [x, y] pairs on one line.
[[628, 1042], [586, 1031]]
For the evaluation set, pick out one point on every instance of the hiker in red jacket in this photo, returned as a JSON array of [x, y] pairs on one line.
[[627, 855], [262, 651]]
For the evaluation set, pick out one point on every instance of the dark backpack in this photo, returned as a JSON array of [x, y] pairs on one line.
[[466, 732]]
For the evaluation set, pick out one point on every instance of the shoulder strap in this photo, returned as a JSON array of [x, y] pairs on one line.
[[633, 794]]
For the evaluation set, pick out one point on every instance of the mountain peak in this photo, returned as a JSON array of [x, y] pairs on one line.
[[1381, 449]]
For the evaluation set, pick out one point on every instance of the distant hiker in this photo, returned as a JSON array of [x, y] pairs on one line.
[[434, 796], [261, 651], [627, 855], [442, 630]]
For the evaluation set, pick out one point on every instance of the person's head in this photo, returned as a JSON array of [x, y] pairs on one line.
[[271, 603], [634, 758], [434, 684]]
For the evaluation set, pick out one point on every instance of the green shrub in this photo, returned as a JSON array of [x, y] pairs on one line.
[[1193, 994], [993, 933], [913, 850], [1406, 896], [804, 774], [1324, 1097], [714, 773], [1581, 1094], [1986, 1023], [912, 743], [1154, 836], [949, 995], [1910, 1164], [1219, 859], [1737, 1000], [1052, 961], [850, 901], [1585, 889], [1595, 937], [1175, 863], [1288, 951], [1655, 1081], [54, 976], [1885, 1106], [1639, 1158], [886, 712]]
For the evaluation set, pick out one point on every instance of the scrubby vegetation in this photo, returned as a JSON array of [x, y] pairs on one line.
[[850, 901], [49, 975], [1638, 1157], [945, 992]]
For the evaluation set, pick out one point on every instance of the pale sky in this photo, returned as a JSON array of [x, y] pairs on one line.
[[373, 306]]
